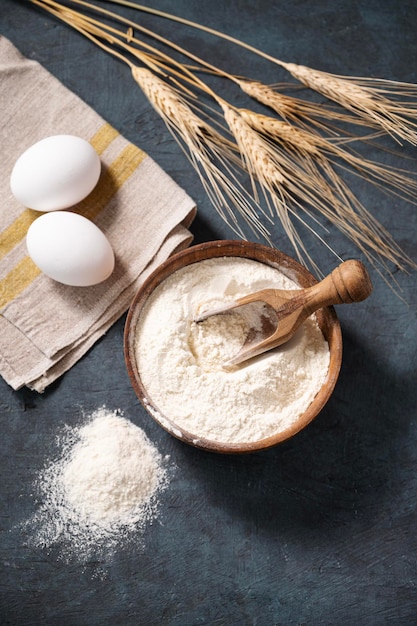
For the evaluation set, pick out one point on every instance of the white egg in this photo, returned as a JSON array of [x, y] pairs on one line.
[[70, 249], [55, 173]]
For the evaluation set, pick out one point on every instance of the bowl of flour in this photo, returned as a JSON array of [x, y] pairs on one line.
[[176, 365]]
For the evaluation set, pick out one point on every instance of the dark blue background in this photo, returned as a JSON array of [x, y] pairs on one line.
[[320, 530]]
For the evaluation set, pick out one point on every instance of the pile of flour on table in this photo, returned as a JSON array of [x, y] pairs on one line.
[[101, 491], [181, 362]]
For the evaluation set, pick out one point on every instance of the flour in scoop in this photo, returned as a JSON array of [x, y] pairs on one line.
[[181, 362], [101, 491]]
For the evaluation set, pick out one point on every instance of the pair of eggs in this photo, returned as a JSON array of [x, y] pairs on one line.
[[52, 175]]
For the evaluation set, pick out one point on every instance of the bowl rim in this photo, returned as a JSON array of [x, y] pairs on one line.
[[326, 318]]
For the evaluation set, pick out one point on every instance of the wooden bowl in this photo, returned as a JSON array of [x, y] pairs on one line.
[[326, 318]]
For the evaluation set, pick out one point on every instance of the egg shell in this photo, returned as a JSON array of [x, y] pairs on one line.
[[55, 173], [70, 249]]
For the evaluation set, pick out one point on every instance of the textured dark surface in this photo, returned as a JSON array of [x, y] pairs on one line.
[[320, 530]]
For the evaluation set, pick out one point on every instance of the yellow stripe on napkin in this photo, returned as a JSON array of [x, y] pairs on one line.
[[105, 135], [17, 280], [111, 180], [13, 234]]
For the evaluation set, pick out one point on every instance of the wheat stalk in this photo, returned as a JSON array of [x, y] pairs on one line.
[[295, 183], [211, 154], [309, 145], [365, 97], [284, 182], [317, 156], [306, 114], [290, 167], [207, 150]]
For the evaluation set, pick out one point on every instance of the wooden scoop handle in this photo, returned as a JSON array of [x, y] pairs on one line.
[[349, 282]]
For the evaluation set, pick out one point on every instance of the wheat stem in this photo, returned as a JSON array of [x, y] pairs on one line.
[[290, 167], [365, 98]]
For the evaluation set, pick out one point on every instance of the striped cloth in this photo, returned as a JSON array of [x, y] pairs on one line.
[[45, 327]]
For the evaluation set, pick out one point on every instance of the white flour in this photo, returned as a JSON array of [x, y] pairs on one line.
[[181, 362], [102, 489]]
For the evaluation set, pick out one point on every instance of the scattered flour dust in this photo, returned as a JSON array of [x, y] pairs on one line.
[[180, 362], [101, 492]]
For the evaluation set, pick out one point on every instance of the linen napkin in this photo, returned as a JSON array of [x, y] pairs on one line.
[[45, 327]]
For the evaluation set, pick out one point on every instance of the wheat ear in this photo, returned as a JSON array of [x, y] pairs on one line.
[[296, 110], [368, 102], [293, 184], [290, 184], [210, 153], [310, 145], [312, 155], [270, 170], [365, 97]]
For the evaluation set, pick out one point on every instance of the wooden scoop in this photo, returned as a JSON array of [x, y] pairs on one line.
[[284, 311]]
